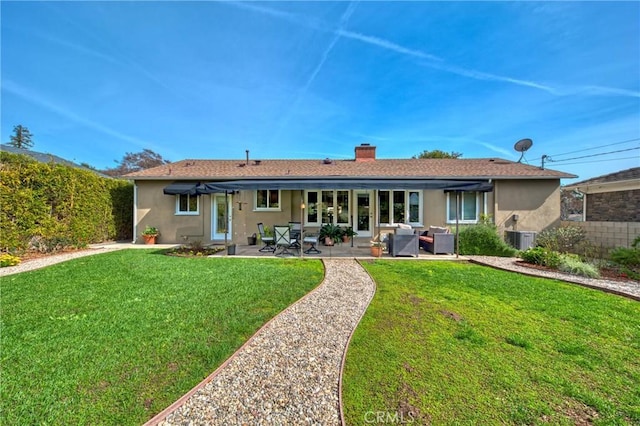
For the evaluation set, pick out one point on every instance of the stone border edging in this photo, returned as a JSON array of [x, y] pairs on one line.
[[566, 280], [155, 420], [346, 348]]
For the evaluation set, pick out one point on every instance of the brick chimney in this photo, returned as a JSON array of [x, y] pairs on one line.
[[365, 152]]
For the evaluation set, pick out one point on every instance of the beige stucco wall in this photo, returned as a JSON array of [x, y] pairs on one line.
[[536, 202]]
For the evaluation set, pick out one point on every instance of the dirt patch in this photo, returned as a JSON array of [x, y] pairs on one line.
[[148, 403], [579, 413], [194, 252], [452, 315], [172, 366]]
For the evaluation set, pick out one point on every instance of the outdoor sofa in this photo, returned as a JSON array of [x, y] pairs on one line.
[[437, 240]]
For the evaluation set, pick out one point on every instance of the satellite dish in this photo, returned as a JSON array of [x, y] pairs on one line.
[[522, 146]]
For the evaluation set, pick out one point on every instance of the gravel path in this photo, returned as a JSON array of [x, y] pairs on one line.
[[289, 372], [41, 262], [626, 288]]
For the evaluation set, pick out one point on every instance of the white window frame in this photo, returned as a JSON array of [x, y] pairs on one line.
[[407, 192], [335, 201], [479, 209], [187, 212], [267, 209]]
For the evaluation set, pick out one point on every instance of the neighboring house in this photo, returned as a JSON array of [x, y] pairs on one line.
[[611, 198], [188, 199], [46, 158]]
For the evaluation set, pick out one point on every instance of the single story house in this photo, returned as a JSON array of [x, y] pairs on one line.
[[614, 197], [214, 200]]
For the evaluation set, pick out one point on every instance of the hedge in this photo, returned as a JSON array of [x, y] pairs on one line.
[[44, 206]]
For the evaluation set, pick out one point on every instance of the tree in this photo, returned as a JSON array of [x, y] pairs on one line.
[[21, 137], [436, 153], [136, 161]]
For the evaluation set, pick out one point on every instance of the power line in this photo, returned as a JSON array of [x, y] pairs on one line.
[[590, 149], [550, 159], [598, 161]]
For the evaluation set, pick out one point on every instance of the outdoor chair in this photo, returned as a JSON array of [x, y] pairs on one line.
[[403, 242], [296, 230], [284, 240], [312, 240], [269, 242]]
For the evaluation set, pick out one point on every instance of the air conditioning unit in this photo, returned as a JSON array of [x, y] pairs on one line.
[[521, 240]]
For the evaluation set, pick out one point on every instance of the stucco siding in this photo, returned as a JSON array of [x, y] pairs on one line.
[[536, 202]]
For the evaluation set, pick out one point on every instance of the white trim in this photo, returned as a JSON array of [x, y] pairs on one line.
[[267, 209], [406, 206], [216, 236], [350, 210], [460, 220], [178, 212]]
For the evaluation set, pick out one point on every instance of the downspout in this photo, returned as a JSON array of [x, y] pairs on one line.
[[135, 212]]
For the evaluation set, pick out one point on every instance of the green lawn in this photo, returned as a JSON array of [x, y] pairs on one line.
[[117, 337], [455, 343]]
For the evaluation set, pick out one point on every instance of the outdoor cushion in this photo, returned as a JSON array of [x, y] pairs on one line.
[[438, 230]]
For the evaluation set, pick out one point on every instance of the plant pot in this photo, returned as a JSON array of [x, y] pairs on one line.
[[231, 250], [328, 241], [251, 240], [345, 238], [376, 251], [149, 239]]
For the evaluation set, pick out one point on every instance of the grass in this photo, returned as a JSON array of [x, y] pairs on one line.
[[117, 337], [455, 343]]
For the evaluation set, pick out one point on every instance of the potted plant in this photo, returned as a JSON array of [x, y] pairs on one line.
[[347, 233], [150, 234], [330, 234], [376, 248]]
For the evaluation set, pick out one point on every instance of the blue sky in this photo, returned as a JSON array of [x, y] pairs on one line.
[[93, 80]]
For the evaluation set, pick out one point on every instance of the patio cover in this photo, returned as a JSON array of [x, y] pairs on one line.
[[182, 188], [341, 183]]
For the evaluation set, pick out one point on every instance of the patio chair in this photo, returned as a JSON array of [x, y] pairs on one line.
[[312, 240], [284, 240], [296, 230], [269, 242], [403, 242]]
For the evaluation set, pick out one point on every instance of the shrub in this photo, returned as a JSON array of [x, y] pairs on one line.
[[59, 206], [573, 265], [483, 239], [563, 239], [628, 259], [7, 259], [541, 256]]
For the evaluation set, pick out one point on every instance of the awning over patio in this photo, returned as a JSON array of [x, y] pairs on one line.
[[342, 183], [182, 188]]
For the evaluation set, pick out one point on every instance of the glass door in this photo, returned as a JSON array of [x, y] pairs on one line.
[[218, 225], [363, 213]]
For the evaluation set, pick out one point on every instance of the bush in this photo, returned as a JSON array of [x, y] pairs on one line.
[[573, 265], [628, 259], [563, 239], [483, 239], [541, 256], [50, 206], [7, 259]]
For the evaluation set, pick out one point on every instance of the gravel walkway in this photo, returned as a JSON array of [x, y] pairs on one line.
[[289, 372], [625, 288], [41, 262]]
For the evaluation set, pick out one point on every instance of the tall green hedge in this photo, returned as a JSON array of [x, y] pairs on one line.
[[59, 205]]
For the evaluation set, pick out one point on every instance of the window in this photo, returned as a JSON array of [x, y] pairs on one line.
[[400, 206], [327, 206], [267, 199], [469, 207], [187, 204]]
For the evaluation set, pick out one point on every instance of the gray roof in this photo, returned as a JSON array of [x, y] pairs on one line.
[[622, 175], [46, 158]]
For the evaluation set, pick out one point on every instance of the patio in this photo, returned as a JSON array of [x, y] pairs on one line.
[[361, 250]]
